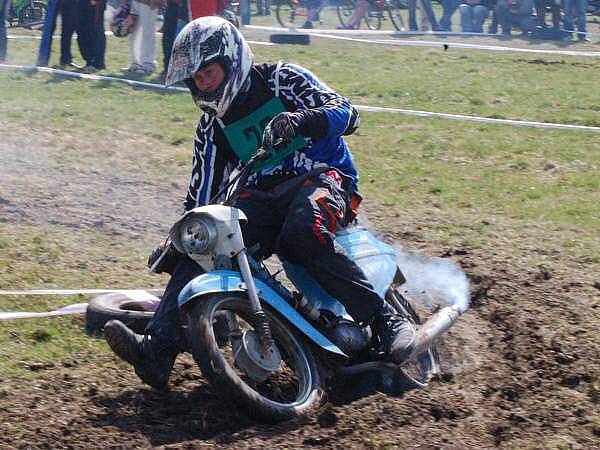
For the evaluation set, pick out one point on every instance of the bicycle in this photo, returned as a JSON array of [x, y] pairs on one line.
[[27, 13], [379, 11], [298, 13]]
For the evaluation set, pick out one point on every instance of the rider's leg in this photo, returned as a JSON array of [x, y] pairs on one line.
[[153, 354], [307, 238]]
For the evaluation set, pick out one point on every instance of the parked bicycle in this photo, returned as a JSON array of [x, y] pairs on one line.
[[298, 13], [27, 13], [379, 11]]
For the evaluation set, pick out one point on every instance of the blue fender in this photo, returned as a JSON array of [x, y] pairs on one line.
[[230, 281]]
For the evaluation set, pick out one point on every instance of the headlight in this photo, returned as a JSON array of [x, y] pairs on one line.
[[197, 235]]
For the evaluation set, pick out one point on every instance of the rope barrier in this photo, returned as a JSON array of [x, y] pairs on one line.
[[447, 45], [409, 112], [386, 32]]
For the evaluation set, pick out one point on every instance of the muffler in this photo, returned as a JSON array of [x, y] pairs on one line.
[[434, 327]]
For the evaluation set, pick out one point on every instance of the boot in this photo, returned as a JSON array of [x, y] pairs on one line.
[[153, 367], [396, 333]]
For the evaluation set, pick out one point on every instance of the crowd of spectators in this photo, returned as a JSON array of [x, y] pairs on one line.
[[525, 16], [137, 19]]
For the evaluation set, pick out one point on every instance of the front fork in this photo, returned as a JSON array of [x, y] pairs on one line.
[[263, 329]]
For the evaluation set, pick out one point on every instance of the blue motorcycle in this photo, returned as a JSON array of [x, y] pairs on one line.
[[275, 345]]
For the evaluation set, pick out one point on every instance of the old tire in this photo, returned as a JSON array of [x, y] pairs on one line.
[[134, 313], [290, 38], [290, 391]]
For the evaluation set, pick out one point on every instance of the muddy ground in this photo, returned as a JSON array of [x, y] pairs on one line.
[[520, 369]]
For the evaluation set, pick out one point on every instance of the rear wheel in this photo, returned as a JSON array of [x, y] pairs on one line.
[[375, 15], [291, 13], [395, 13], [421, 368], [344, 10], [34, 12], [291, 385]]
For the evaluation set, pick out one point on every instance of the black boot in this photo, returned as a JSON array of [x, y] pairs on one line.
[[396, 333], [152, 366]]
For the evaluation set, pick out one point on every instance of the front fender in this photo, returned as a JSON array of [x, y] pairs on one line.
[[230, 281]]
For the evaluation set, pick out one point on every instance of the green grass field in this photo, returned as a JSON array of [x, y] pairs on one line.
[[465, 183]]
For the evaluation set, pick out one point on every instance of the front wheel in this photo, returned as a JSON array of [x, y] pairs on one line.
[[291, 13], [219, 325]]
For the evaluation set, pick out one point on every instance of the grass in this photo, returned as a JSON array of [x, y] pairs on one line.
[[475, 180]]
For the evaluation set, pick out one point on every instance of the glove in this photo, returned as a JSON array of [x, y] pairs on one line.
[[167, 263], [281, 130]]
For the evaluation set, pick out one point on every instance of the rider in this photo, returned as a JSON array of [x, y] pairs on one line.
[[294, 202]]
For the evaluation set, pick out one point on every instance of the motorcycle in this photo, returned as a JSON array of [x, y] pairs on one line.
[[276, 345]]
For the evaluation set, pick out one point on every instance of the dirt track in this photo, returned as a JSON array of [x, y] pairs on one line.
[[521, 367]]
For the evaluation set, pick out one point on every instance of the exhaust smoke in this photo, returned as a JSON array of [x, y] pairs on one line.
[[433, 281]]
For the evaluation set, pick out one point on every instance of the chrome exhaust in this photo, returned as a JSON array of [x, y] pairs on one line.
[[434, 327]]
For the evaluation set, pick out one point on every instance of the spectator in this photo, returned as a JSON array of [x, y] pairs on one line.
[[169, 31], [312, 12], [518, 13], [427, 10], [4, 5], [69, 25], [448, 8], [581, 8], [540, 12], [472, 15], [142, 41], [92, 37]]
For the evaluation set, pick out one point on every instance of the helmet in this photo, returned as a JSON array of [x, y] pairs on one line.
[[119, 25], [207, 40]]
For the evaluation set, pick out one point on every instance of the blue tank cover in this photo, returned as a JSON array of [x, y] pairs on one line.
[[230, 281], [377, 259]]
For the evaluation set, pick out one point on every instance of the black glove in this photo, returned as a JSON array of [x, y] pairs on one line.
[[167, 263], [281, 130]]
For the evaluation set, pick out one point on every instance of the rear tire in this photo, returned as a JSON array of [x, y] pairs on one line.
[[290, 391]]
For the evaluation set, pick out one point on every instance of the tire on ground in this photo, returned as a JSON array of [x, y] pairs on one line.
[[133, 313], [290, 38]]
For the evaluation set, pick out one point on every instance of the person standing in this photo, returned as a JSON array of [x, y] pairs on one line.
[[4, 5], [69, 25], [472, 15], [93, 39], [580, 9], [142, 41]]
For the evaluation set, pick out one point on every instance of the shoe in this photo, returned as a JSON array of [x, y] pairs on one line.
[[152, 368], [134, 69], [583, 39], [88, 68], [70, 65], [307, 25], [567, 38], [396, 333]]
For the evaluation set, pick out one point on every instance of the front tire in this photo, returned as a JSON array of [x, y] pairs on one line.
[[290, 391]]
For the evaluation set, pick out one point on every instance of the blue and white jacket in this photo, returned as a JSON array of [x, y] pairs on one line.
[[298, 89]]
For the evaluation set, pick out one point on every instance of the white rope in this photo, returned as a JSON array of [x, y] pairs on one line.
[[386, 32], [446, 45], [137, 294], [160, 87]]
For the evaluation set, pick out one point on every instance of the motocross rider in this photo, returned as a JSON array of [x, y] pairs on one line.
[[294, 202]]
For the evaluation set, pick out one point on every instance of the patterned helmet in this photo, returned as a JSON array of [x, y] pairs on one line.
[[203, 41]]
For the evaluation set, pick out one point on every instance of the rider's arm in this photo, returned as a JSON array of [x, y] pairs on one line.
[[200, 187], [326, 113]]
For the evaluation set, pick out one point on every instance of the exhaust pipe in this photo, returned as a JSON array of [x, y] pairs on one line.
[[435, 326]]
